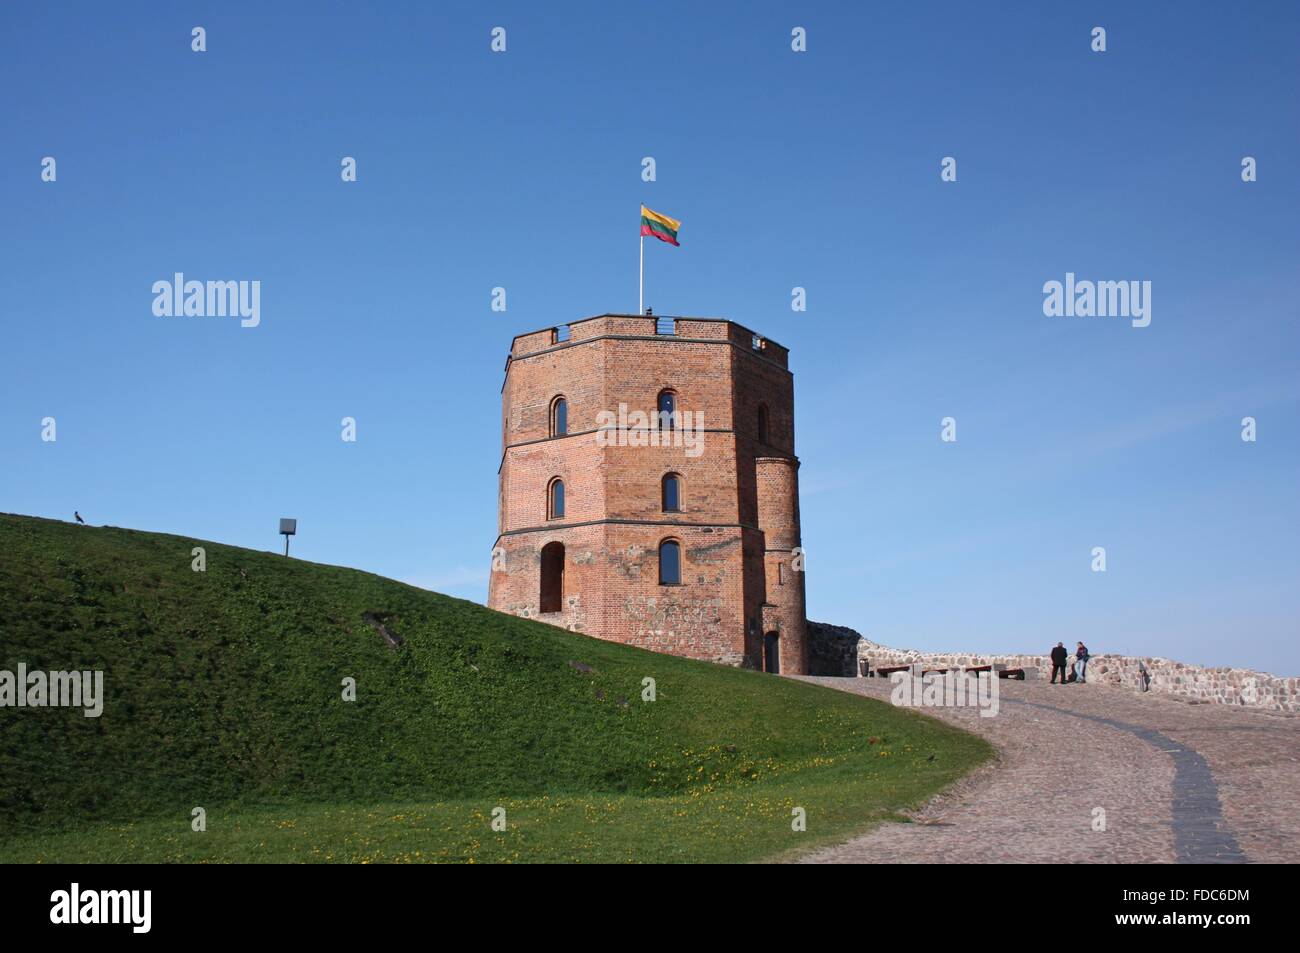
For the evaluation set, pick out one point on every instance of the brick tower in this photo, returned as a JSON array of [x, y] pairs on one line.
[[649, 489]]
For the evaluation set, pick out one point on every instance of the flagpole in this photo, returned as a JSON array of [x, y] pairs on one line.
[[640, 288]]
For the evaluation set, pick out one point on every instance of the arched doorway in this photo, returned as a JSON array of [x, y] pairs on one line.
[[552, 592], [772, 653]]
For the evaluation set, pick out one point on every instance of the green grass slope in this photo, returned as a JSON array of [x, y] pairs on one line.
[[223, 690]]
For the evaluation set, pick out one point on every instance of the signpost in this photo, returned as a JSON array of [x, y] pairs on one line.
[[288, 528]]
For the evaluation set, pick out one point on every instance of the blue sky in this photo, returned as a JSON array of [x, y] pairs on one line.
[[819, 170]]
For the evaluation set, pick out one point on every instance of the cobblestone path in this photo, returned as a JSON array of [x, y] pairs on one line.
[[1177, 782]]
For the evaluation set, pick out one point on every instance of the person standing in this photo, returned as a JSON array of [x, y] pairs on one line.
[[1081, 663], [1059, 655]]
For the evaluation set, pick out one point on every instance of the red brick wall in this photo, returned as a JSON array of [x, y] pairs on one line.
[[778, 513], [739, 509]]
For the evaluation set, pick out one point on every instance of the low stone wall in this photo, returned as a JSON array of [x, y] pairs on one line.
[[1191, 683], [832, 650]]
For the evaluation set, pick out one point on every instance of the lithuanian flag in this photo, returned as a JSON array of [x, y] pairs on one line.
[[660, 226]]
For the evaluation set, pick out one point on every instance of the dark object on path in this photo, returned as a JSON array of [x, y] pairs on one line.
[[78, 516], [1015, 673], [1073, 677], [1201, 835]]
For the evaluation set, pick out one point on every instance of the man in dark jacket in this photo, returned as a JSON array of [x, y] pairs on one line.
[[1059, 655]]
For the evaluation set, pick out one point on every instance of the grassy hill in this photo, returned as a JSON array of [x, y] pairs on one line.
[[224, 691]]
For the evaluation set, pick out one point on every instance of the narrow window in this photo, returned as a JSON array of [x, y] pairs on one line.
[[780, 574], [762, 423], [667, 410], [552, 594], [672, 493], [670, 563], [556, 501], [559, 417]]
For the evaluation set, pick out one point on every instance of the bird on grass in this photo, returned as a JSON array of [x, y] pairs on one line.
[[78, 516]]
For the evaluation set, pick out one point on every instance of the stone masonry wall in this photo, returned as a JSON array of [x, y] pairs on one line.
[[1195, 684], [832, 650]]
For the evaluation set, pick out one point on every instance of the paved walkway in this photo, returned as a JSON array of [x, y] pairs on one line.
[[1177, 782]]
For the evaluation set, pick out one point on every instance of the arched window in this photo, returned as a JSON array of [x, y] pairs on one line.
[[559, 417], [552, 592], [667, 410], [762, 423], [555, 500], [670, 563], [671, 496]]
